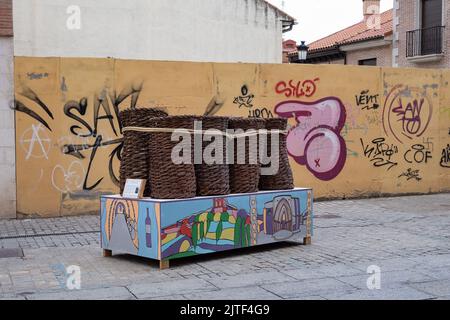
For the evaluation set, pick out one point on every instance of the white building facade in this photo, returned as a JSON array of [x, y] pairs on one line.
[[184, 30]]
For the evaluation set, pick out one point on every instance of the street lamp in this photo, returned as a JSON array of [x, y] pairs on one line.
[[302, 52]]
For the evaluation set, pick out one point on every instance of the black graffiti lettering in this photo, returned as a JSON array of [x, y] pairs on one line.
[[116, 153], [417, 154], [445, 159], [75, 149], [133, 90], [411, 174], [367, 101], [104, 103], [260, 113], [380, 153], [81, 107], [20, 107], [30, 94], [97, 144]]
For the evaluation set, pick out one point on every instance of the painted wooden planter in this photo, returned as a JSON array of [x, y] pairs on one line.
[[171, 229]]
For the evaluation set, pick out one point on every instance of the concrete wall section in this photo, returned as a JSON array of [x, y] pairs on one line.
[[379, 130], [7, 133], [183, 30]]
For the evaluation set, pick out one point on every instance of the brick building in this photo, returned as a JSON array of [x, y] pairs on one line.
[[369, 42], [289, 48], [412, 34], [421, 38]]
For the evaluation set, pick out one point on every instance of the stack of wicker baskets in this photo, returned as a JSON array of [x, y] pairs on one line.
[[134, 156], [148, 154], [282, 180], [213, 179], [244, 177], [167, 179]]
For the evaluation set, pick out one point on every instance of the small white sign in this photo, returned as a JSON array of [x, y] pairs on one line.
[[134, 188]]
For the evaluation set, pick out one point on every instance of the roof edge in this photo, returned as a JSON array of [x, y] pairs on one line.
[[280, 10]]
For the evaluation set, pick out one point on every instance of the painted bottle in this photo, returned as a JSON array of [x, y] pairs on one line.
[[148, 230]]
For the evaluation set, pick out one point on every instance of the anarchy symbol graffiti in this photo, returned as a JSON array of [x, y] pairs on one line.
[[36, 142]]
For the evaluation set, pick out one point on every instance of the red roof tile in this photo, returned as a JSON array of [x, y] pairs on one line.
[[355, 33]]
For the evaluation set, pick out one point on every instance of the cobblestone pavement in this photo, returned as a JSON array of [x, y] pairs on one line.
[[407, 237]]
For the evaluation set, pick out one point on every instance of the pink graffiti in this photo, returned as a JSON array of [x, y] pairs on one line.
[[316, 140]]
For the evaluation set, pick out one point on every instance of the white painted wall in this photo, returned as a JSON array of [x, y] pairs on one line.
[[190, 30], [7, 136]]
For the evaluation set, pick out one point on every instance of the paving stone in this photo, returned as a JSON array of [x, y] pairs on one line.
[[407, 237], [250, 279], [310, 287], [115, 293], [404, 293], [243, 293], [172, 297], [323, 272], [308, 298], [387, 279], [149, 290], [441, 273], [436, 288]]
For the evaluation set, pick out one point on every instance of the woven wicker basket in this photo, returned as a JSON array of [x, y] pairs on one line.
[[134, 155], [283, 180], [213, 179], [244, 178], [167, 179]]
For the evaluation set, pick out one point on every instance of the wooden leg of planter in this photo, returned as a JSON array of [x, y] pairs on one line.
[[163, 264], [107, 253], [307, 240]]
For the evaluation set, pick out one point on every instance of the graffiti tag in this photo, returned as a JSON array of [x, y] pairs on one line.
[[418, 153], [245, 99], [367, 101], [316, 141], [407, 113], [305, 88], [411, 174], [445, 159], [70, 179], [260, 113], [380, 153]]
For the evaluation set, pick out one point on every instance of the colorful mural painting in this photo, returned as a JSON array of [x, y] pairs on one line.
[[354, 131], [121, 223], [206, 224]]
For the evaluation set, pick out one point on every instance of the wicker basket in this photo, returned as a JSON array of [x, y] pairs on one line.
[[134, 155], [167, 179], [283, 180], [244, 178], [213, 179]]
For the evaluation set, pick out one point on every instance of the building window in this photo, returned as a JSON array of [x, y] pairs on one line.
[[431, 15], [428, 39], [368, 62]]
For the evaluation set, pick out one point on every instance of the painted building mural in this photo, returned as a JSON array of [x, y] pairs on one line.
[[177, 229], [355, 131]]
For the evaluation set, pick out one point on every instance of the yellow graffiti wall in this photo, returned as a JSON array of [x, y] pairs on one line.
[[355, 131]]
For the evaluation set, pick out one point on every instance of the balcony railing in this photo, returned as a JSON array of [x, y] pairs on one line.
[[424, 42]]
